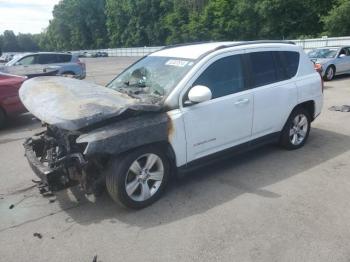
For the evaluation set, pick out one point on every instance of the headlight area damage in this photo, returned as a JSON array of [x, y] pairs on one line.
[[85, 124]]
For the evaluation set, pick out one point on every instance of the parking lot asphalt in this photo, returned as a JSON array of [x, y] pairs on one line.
[[265, 205]]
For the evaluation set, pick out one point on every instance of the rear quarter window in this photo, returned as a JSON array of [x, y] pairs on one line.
[[290, 60]]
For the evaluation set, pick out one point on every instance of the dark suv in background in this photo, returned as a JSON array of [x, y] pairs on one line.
[[65, 63]]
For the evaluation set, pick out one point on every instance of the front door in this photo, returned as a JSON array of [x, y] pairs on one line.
[[226, 119], [343, 62]]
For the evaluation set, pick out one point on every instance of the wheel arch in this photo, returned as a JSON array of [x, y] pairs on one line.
[[334, 68], [165, 146], [68, 72], [309, 106]]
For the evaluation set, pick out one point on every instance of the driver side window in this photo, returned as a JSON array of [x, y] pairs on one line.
[[28, 60], [223, 77]]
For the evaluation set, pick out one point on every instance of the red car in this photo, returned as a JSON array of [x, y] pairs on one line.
[[10, 103]]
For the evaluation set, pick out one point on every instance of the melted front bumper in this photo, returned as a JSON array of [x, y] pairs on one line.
[[56, 178]]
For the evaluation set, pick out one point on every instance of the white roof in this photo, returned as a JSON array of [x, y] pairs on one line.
[[190, 51]]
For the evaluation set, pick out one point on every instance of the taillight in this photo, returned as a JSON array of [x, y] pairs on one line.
[[82, 64], [318, 67]]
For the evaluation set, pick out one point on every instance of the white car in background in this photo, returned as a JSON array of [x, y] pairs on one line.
[[173, 110]]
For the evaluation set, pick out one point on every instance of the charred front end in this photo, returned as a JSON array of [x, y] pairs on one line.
[[86, 126], [56, 158], [62, 158]]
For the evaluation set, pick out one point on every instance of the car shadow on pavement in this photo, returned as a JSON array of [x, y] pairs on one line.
[[214, 185]]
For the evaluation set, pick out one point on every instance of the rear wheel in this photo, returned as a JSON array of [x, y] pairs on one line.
[[329, 74], [296, 130], [137, 179]]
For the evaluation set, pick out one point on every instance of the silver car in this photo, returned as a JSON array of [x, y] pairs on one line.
[[332, 60], [66, 63]]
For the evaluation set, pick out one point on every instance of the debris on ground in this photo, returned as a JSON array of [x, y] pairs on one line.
[[11, 206], [343, 108], [94, 259], [52, 200], [47, 194], [38, 235]]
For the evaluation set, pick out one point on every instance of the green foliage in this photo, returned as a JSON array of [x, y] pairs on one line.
[[91, 24], [337, 22], [9, 42], [77, 24]]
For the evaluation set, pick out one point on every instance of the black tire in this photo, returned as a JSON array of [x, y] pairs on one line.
[[3, 118], [327, 76], [118, 170], [286, 137]]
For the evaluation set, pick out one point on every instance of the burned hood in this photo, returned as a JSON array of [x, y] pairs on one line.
[[74, 104]]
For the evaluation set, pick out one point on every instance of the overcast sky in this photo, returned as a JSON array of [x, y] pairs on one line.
[[25, 16]]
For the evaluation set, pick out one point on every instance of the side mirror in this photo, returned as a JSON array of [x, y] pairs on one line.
[[18, 63], [342, 55], [199, 94]]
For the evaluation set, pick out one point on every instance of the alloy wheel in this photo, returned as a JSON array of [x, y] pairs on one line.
[[298, 130], [144, 177]]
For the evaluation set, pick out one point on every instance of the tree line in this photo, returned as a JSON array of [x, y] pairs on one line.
[[93, 24]]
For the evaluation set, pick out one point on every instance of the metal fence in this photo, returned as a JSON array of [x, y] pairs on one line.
[[307, 44], [131, 51]]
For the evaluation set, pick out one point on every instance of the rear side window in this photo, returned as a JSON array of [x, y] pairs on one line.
[[223, 77], [64, 58], [291, 62], [273, 66], [263, 68], [47, 59]]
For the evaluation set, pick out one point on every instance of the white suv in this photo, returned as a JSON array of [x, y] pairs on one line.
[[169, 112]]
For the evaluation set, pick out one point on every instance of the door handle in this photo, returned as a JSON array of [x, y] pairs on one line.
[[242, 101]]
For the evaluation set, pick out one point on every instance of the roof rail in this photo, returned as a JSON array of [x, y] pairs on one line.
[[186, 44], [257, 42], [246, 43]]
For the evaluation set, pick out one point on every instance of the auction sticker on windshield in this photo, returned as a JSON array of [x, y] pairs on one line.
[[178, 63]]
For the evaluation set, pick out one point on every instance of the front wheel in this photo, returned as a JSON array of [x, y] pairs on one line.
[[296, 130], [329, 74], [137, 179]]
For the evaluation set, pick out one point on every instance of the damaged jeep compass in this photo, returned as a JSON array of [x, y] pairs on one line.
[[170, 111]]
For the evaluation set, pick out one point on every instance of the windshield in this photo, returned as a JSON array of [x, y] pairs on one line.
[[14, 60], [152, 75], [323, 53]]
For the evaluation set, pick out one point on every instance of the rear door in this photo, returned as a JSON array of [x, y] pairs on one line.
[[275, 92]]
